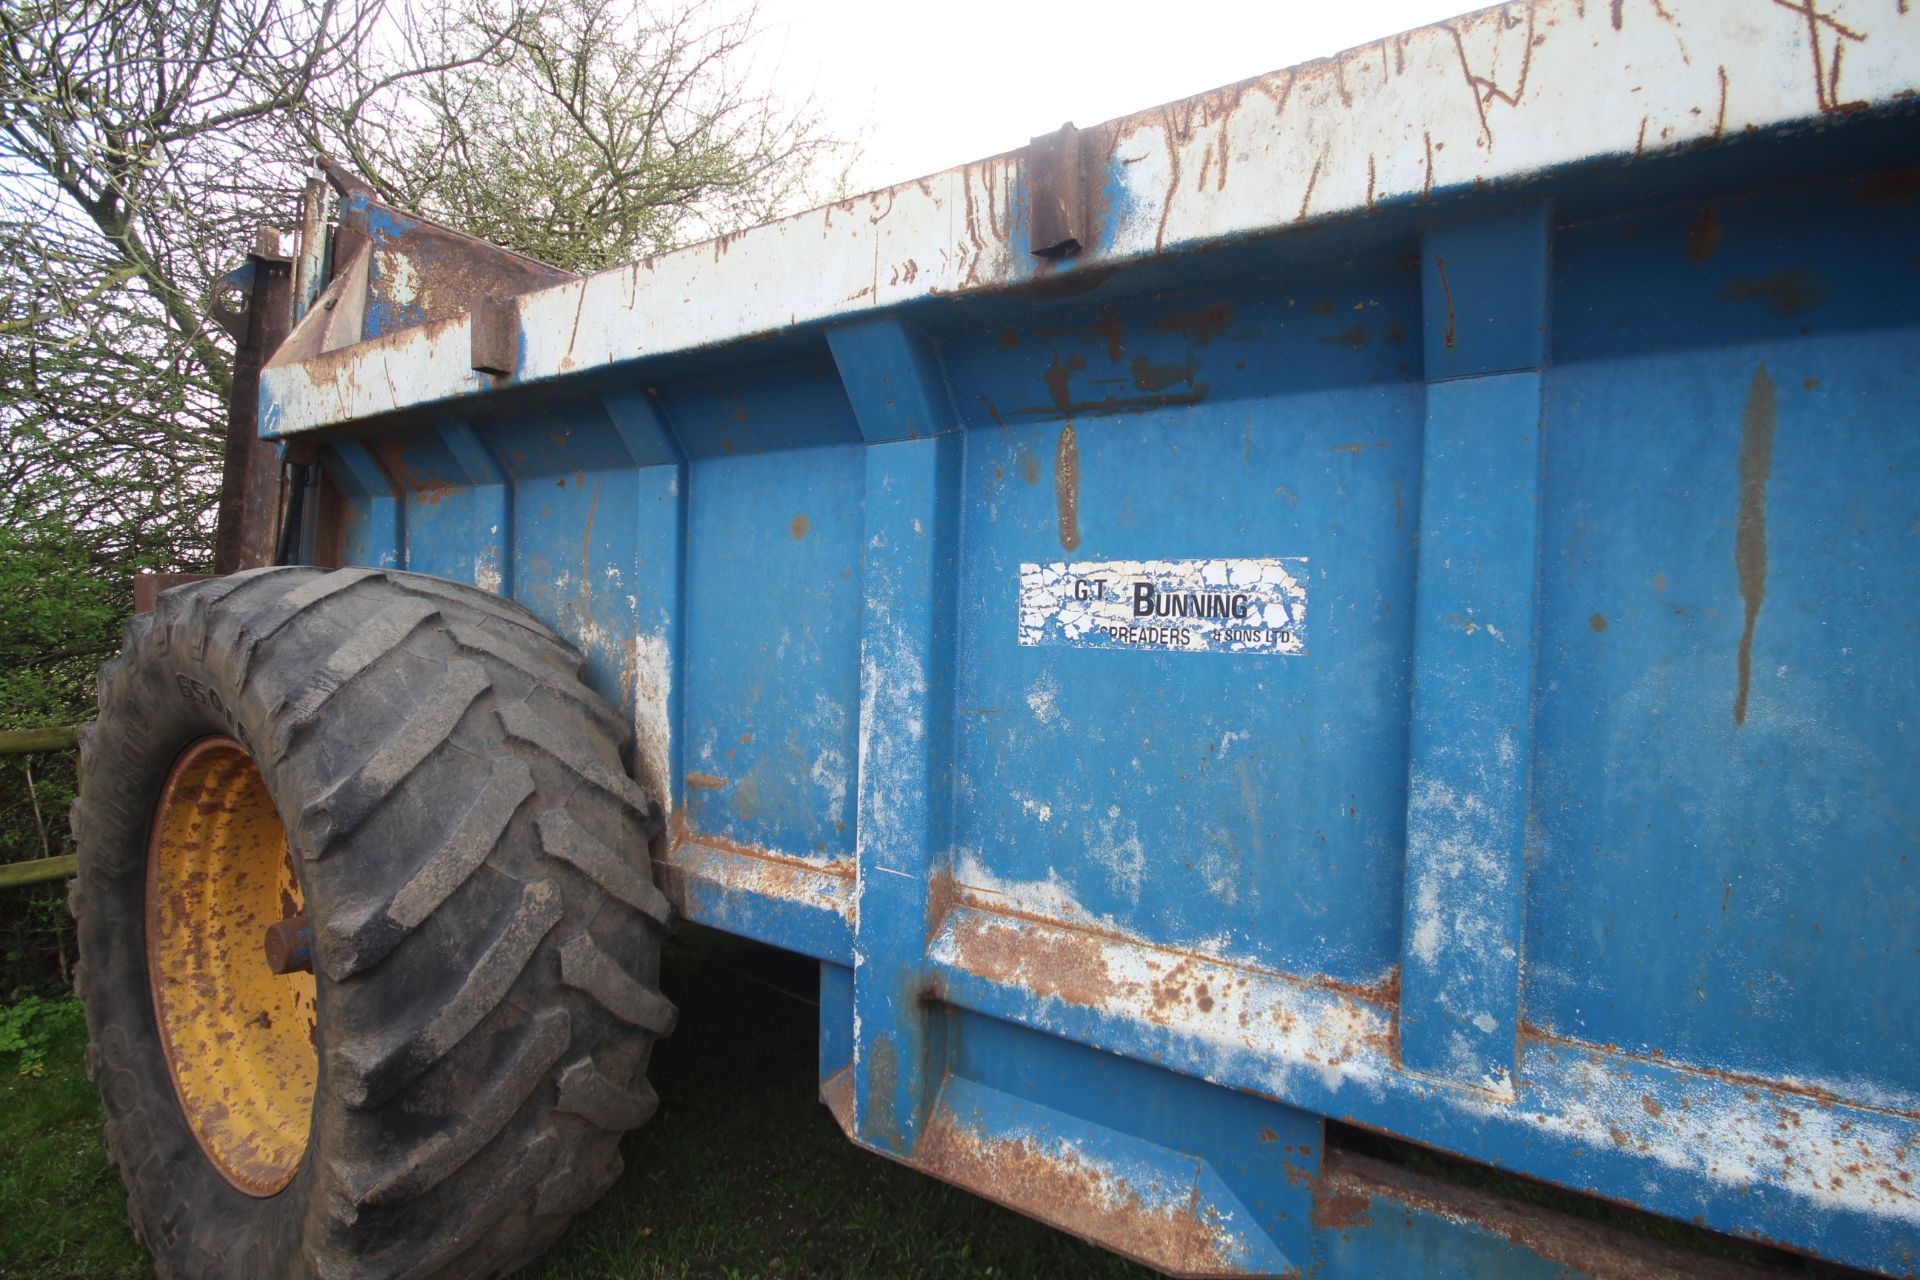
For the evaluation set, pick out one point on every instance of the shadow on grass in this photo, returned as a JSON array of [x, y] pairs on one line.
[[744, 1174], [741, 1174]]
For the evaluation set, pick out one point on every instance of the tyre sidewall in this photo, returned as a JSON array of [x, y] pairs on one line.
[[156, 701]]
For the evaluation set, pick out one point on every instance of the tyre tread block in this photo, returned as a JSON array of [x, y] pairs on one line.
[[431, 1162], [424, 1254], [564, 839], [586, 1093], [574, 1186], [588, 969], [348, 802], [496, 607], [364, 939], [526, 654], [264, 626], [350, 660], [523, 724], [369, 1073]]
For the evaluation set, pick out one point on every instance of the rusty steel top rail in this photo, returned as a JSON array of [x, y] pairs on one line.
[[1489, 98]]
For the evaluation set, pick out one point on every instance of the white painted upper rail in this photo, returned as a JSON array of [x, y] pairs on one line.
[[1491, 97]]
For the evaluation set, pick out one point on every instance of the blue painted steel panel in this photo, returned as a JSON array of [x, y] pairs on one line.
[[773, 599], [1266, 421]]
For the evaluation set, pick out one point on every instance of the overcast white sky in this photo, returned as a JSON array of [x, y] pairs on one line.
[[934, 83]]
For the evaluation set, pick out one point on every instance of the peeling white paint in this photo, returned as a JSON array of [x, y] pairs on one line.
[[486, 571], [652, 725], [829, 773], [1735, 1135], [1040, 699], [403, 283], [1050, 898]]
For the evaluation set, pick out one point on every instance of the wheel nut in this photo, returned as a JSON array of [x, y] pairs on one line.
[[290, 946]]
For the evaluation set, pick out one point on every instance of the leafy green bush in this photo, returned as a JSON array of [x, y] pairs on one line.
[[62, 599], [29, 1026]]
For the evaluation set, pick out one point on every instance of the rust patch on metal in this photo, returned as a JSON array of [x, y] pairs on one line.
[[1750, 527], [1190, 993], [841, 868], [692, 867], [1447, 331], [334, 514], [1784, 293], [1108, 327], [705, 782], [943, 897], [287, 941], [148, 586], [836, 1091], [1340, 1206], [1704, 237], [1056, 199], [1892, 186], [1754, 1087], [798, 528], [1199, 326], [1065, 964], [1146, 376], [452, 272], [883, 1076], [1385, 992], [1353, 338], [1066, 486], [1029, 466], [1056, 377], [402, 476], [1050, 286], [1062, 1188], [1154, 378], [1598, 622]]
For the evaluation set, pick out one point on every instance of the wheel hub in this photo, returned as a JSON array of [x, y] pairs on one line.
[[238, 1031]]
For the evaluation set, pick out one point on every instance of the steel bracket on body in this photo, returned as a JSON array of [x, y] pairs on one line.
[[1059, 215], [1484, 302], [893, 380]]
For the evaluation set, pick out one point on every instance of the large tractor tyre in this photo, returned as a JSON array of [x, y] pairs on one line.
[[401, 782]]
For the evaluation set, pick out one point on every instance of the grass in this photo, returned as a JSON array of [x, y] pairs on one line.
[[741, 1174], [64, 1211]]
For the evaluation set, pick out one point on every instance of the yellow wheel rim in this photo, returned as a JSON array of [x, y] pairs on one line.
[[238, 1037]]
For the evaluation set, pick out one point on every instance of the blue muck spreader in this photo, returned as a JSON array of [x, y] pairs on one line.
[[1326, 670]]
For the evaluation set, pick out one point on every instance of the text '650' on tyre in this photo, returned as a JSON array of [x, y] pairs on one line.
[[369, 942]]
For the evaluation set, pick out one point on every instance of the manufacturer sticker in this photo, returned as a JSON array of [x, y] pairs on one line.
[[1179, 606]]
